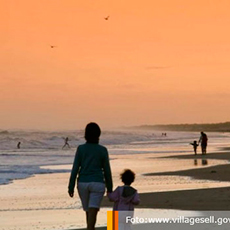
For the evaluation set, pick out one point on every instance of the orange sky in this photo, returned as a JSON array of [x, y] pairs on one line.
[[152, 62]]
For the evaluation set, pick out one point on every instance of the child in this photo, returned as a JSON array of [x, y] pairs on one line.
[[125, 197], [194, 146]]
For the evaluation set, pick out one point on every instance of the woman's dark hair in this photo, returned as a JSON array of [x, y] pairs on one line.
[[92, 133], [127, 177]]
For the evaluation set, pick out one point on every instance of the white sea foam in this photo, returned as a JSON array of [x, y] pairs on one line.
[[45, 148]]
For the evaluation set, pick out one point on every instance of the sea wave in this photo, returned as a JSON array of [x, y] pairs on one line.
[[14, 172], [45, 148], [4, 132]]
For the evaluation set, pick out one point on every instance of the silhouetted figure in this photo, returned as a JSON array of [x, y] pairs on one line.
[[124, 198], [194, 144], [92, 170], [19, 145], [204, 142], [66, 143]]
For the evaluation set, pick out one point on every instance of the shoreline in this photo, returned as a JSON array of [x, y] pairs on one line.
[[66, 168], [207, 199], [216, 172], [45, 199]]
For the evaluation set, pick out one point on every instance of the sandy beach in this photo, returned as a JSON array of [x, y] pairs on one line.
[[163, 181], [149, 80]]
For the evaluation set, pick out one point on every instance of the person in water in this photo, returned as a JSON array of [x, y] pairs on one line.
[[66, 143], [204, 142], [19, 145]]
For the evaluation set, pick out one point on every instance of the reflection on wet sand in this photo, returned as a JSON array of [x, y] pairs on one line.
[[203, 162]]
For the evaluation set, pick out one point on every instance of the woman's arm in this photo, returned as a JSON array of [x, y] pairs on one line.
[[107, 173], [74, 172], [114, 196]]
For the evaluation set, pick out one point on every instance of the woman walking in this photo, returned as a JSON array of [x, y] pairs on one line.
[[92, 169]]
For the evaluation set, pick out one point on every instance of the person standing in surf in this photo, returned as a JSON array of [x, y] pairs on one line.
[[66, 143], [204, 142]]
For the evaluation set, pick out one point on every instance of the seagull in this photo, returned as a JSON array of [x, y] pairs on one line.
[[107, 18], [51, 46]]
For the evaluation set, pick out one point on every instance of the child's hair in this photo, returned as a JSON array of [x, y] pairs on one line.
[[127, 177]]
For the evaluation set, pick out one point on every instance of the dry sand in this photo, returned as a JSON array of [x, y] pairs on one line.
[[168, 182]]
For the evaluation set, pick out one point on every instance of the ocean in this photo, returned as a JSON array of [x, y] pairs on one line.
[[40, 148]]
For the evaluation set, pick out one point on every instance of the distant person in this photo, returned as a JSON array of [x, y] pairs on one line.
[[66, 143], [19, 145], [204, 142], [92, 169], [194, 144]]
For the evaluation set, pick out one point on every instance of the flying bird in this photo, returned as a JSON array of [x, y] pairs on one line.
[[107, 18], [51, 46]]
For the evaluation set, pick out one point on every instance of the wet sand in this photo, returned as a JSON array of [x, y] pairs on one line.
[[164, 182], [192, 199]]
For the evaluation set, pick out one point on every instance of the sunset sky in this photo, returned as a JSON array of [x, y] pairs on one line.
[[152, 62]]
